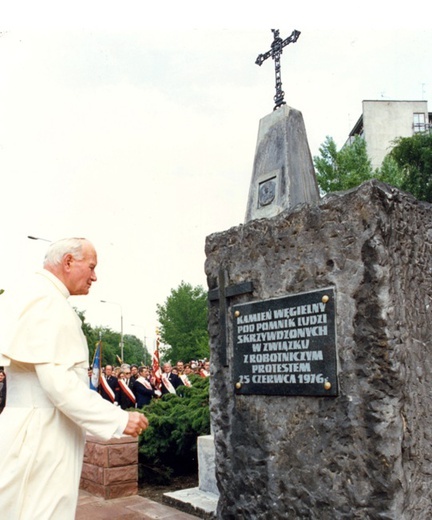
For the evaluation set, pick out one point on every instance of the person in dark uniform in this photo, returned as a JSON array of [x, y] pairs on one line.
[[109, 387], [143, 389], [134, 372], [170, 381], [127, 397]]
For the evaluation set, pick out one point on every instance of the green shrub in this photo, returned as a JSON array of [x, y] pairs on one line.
[[169, 445]]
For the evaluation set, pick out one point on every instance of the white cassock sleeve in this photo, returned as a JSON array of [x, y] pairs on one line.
[[66, 389]]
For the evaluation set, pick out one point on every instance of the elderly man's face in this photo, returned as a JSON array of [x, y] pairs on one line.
[[82, 272]]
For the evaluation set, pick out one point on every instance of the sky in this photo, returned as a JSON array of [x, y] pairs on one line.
[[135, 125]]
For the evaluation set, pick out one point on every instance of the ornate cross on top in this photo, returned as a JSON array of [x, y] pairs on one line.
[[275, 52]]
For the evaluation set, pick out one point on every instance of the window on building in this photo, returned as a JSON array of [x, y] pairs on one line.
[[419, 122]]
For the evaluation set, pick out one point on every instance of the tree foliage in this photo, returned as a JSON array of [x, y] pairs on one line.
[[183, 330], [133, 348], [183, 320], [343, 169], [408, 166], [413, 157], [390, 172], [169, 445]]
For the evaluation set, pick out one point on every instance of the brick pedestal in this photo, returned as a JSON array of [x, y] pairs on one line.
[[110, 468]]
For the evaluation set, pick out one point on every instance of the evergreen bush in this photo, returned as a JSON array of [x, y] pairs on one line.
[[169, 445]]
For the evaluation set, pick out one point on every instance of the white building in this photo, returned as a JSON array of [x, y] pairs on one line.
[[383, 121]]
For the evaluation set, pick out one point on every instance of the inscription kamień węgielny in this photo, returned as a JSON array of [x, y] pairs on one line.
[[286, 346]]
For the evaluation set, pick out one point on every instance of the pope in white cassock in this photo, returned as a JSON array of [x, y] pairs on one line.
[[49, 404]]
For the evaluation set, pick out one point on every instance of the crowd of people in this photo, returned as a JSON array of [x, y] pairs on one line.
[[133, 386]]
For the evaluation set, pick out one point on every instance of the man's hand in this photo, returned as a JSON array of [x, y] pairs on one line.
[[136, 424]]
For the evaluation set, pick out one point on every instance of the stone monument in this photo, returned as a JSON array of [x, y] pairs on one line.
[[321, 398], [320, 339]]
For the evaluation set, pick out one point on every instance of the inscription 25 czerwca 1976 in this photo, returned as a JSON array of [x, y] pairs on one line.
[[286, 346]]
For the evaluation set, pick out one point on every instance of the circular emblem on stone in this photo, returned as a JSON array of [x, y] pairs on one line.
[[267, 192]]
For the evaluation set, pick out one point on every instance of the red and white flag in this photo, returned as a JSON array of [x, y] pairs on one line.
[[156, 370]]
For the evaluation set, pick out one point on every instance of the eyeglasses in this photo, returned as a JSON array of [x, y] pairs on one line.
[[127, 373]]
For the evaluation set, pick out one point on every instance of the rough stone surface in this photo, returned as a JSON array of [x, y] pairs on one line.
[[367, 453]]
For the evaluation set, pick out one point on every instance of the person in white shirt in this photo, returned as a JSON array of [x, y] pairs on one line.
[[49, 404]]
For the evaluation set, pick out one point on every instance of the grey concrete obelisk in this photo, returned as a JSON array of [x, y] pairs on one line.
[[283, 173]]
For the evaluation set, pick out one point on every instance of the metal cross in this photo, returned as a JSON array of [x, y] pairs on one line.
[[223, 293], [275, 52]]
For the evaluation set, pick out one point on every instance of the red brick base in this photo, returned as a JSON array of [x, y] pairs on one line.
[[110, 468]]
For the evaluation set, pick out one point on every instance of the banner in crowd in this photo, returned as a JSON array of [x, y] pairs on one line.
[[97, 365], [156, 370]]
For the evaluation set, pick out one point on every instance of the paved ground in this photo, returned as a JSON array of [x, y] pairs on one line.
[[128, 508]]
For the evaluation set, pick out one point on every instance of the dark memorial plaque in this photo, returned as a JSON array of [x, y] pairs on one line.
[[286, 346]]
